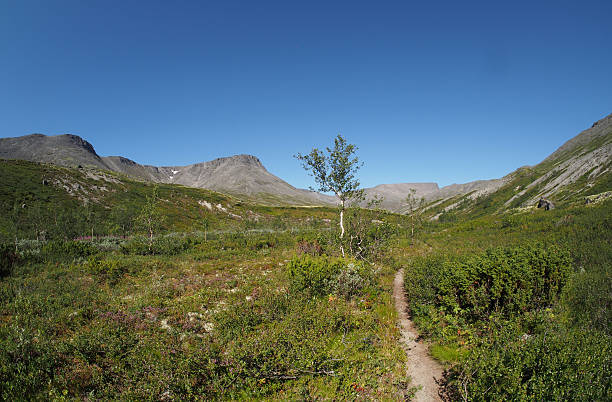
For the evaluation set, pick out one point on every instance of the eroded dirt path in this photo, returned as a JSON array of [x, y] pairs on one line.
[[423, 370]]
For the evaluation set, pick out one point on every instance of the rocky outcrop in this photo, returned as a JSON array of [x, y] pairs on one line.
[[546, 204]]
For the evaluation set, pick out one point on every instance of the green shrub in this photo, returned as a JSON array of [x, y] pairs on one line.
[[138, 245], [367, 236], [161, 245], [315, 275], [325, 275], [298, 343], [502, 281], [352, 279], [8, 257], [172, 244], [109, 268], [26, 363], [68, 249], [261, 242], [552, 365], [292, 337], [588, 299]]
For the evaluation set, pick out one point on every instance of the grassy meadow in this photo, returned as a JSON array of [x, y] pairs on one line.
[[231, 300]]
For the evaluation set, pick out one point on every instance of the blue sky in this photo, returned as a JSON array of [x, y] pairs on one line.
[[429, 91]]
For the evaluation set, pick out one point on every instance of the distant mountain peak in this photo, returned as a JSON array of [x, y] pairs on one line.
[[240, 175], [79, 141], [585, 157], [240, 159]]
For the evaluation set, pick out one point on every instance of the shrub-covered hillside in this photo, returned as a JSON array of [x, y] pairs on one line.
[[519, 306], [42, 201]]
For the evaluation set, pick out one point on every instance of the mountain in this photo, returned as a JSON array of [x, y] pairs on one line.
[[245, 176], [580, 167], [240, 175], [577, 166], [394, 195], [65, 150]]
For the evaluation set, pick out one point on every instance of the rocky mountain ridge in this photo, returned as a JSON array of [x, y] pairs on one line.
[[585, 159], [240, 175]]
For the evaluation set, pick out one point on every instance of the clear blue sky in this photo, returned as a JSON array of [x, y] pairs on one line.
[[429, 91]]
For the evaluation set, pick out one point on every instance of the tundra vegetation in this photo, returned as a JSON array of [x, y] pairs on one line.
[[230, 300]]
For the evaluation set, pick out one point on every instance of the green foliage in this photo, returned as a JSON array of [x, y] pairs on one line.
[[531, 328], [315, 275], [326, 275], [414, 210], [228, 326], [449, 353], [503, 282], [285, 339], [68, 249], [335, 170], [150, 219], [8, 258], [161, 245], [353, 279], [111, 269], [588, 299], [550, 365], [368, 235]]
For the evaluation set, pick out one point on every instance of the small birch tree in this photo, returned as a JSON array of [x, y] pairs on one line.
[[149, 219], [414, 208], [334, 170]]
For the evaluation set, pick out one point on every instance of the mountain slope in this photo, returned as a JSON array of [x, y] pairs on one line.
[[579, 168], [65, 150], [241, 175], [394, 195]]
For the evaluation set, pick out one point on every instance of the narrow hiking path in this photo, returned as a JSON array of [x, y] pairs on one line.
[[423, 370]]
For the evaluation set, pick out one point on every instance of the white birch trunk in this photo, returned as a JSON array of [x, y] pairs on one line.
[[342, 228]]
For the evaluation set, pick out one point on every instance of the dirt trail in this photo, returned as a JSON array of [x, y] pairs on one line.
[[423, 370]]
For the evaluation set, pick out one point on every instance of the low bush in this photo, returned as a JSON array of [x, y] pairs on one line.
[[60, 249], [162, 245], [502, 281], [553, 364], [588, 299], [366, 238], [309, 247], [8, 257], [325, 275], [108, 268], [315, 275], [352, 279]]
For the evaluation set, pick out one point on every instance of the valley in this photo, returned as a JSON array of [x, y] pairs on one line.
[[157, 283]]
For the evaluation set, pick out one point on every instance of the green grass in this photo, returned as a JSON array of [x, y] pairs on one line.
[[227, 309], [450, 353]]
